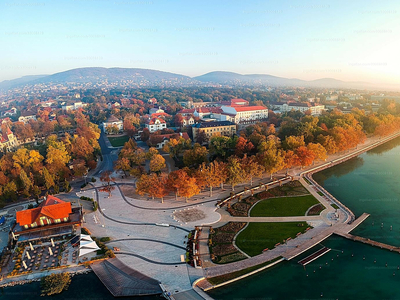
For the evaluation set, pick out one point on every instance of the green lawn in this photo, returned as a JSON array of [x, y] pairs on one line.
[[283, 206], [259, 236], [118, 141]]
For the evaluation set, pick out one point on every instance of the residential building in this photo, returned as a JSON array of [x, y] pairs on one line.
[[187, 121], [51, 218], [73, 106], [154, 124], [155, 110], [113, 104], [113, 121], [8, 140], [225, 128], [11, 112], [159, 140], [26, 116]]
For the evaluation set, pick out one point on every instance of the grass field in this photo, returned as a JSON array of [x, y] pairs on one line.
[[118, 141], [283, 206], [259, 236]]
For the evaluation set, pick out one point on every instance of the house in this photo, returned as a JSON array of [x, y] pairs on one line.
[[159, 140], [155, 110], [111, 122], [187, 121], [154, 124], [113, 104], [73, 106], [11, 112], [52, 217], [225, 128], [26, 116], [152, 101], [8, 141]]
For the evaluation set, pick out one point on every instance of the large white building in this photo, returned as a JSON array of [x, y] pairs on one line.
[[243, 114]]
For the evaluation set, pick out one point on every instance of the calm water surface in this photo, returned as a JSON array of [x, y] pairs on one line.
[[368, 183]]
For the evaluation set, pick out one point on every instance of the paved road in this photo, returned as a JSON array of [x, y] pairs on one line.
[[110, 155]]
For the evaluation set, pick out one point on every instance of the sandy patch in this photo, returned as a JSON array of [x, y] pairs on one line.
[[189, 215], [128, 191]]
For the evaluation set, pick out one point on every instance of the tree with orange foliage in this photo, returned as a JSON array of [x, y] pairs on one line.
[[189, 189], [290, 160], [306, 156], [243, 146], [176, 181], [251, 167], [318, 150]]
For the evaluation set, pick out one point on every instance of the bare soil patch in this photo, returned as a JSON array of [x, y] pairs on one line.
[[190, 215]]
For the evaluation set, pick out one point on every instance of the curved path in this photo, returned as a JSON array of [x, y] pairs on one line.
[[148, 240], [149, 260], [129, 223]]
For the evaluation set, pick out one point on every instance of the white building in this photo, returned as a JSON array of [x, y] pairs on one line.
[[26, 116], [155, 124], [74, 106], [113, 121], [243, 114]]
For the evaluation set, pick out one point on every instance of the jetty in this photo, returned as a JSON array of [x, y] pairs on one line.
[[369, 242], [314, 256], [123, 281], [339, 229]]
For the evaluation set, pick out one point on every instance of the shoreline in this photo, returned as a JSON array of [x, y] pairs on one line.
[[308, 175]]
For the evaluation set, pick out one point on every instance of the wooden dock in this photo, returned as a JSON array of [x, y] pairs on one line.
[[369, 242], [314, 256]]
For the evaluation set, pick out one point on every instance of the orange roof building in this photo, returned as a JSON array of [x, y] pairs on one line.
[[51, 211]]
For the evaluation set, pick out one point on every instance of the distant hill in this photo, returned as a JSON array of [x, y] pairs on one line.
[[6, 84], [230, 78], [95, 75], [135, 77]]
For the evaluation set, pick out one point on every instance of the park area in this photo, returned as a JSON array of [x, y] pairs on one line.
[[257, 237], [118, 141], [283, 206]]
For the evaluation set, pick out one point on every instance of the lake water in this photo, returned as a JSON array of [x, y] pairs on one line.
[[368, 183]]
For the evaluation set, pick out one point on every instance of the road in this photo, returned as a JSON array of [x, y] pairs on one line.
[[110, 155]]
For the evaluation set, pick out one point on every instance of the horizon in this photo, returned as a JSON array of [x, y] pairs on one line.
[[307, 41]]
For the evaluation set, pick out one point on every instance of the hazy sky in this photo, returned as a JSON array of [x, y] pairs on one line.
[[348, 40]]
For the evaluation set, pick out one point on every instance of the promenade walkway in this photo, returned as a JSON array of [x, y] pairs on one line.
[[270, 219]]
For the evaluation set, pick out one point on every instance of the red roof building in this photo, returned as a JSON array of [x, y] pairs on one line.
[[51, 211]]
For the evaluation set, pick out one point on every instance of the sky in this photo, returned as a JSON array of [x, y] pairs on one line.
[[347, 40]]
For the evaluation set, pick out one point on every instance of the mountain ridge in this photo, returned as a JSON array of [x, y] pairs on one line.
[[148, 77]]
